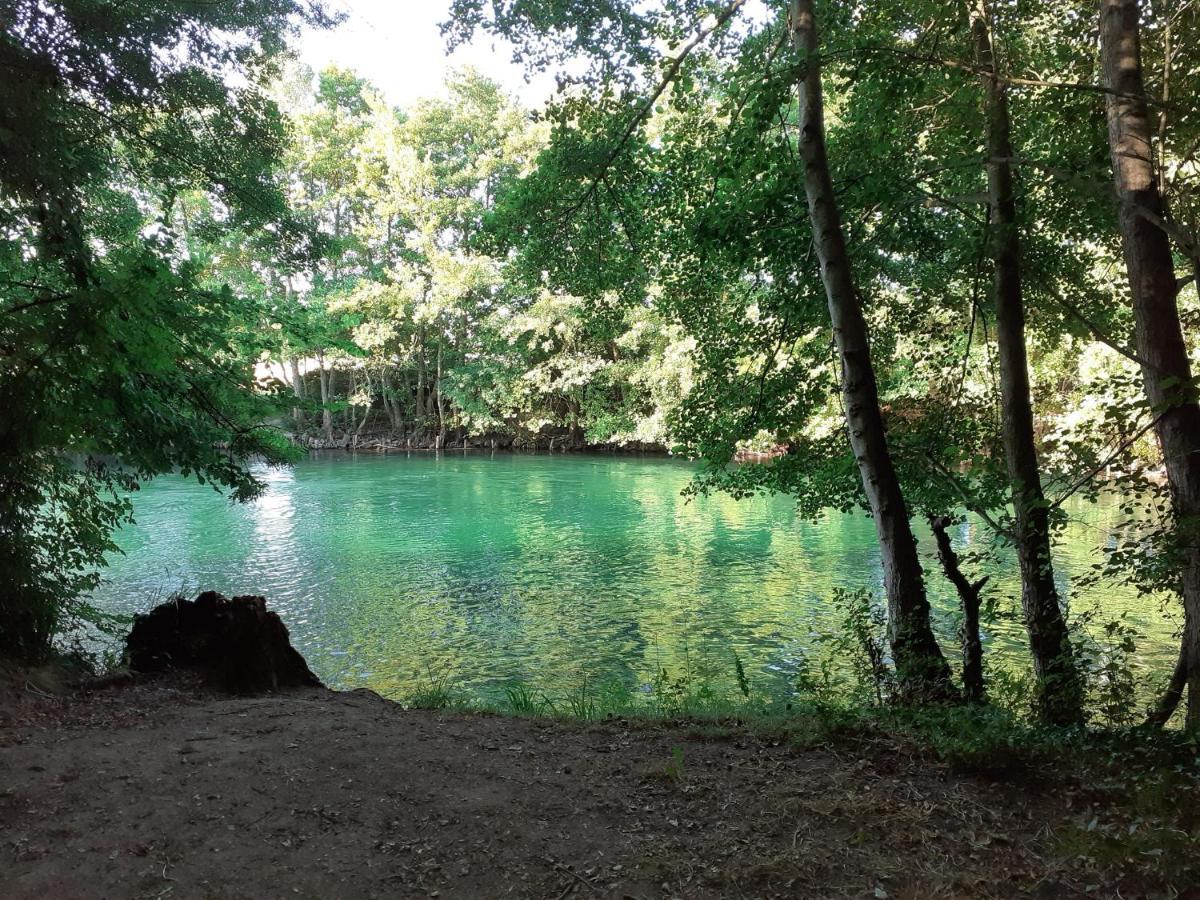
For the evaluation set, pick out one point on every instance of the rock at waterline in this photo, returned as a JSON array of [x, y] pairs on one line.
[[238, 645]]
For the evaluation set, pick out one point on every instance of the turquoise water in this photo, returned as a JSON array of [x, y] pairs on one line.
[[481, 569]]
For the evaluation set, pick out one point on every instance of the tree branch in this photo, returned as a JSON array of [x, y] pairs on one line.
[[968, 502], [644, 111], [987, 71], [1186, 242], [1108, 460], [1096, 331]]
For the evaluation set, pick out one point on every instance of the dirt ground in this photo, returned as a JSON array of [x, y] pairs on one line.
[[161, 789]]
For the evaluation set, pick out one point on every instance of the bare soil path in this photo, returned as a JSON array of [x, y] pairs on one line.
[[162, 789]]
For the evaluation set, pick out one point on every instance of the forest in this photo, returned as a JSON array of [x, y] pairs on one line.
[[927, 263], [925, 260]]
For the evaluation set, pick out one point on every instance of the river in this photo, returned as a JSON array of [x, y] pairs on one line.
[[478, 570]]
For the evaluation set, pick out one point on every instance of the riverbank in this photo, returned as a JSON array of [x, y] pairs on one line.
[[565, 442], [161, 788], [459, 439]]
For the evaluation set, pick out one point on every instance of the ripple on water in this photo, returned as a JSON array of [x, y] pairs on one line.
[[484, 569]]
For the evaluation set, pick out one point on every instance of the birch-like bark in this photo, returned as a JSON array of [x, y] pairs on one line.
[[921, 668], [297, 388], [441, 412]]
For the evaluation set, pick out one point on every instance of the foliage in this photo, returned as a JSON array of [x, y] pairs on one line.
[[676, 179], [436, 692], [119, 358], [423, 321], [673, 769], [520, 699], [631, 266], [1110, 663]]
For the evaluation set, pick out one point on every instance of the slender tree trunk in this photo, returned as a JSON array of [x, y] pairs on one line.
[[421, 378], [371, 396], [385, 390], [1168, 702], [294, 364], [441, 412], [186, 222], [297, 388], [969, 596], [326, 381], [1060, 698], [357, 425], [369, 411], [390, 403], [920, 666], [332, 397], [1166, 370], [363, 424], [409, 392]]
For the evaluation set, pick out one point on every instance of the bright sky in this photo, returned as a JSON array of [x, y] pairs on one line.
[[397, 46]]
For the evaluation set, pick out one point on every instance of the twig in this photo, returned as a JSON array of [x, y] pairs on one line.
[[575, 875], [1096, 331], [1091, 473], [41, 301], [29, 687], [975, 279], [1010, 80], [669, 76], [970, 504], [1186, 242]]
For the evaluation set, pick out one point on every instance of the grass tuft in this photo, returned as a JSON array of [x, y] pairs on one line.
[[435, 692], [523, 700]]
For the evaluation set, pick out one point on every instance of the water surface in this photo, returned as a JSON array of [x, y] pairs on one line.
[[392, 570]]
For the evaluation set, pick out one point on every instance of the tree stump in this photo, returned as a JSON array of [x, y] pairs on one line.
[[237, 645]]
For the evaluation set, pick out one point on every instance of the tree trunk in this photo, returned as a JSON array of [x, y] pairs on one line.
[[409, 393], [1166, 370], [441, 413], [297, 388], [1060, 698], [969, 598], [1161, 714], [369, 411], [326, 380], [332, 398], [421, 379], [389, 401], [921, 668]]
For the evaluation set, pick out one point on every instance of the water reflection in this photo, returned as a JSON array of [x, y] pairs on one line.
[[388, 569]]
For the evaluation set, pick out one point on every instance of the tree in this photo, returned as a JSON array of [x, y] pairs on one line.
[[119, 360], [410, 308], [1060, 691], [602, 174], [920, 665], [1166, 368]]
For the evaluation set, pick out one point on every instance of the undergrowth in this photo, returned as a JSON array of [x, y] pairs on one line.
[[826, 706]]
